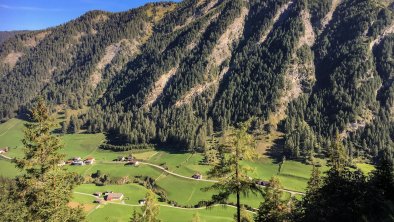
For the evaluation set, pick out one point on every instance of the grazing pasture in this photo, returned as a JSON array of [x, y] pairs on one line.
[[179, 188]]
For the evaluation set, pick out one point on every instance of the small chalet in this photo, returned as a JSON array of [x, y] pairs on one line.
[[89, 161], [142, 202], [133, 163], [263, 183], [77, 158], [4, 150], [78, 163], [121, 158], [197, 176], [97, 194], [129, 158], [113, 196]]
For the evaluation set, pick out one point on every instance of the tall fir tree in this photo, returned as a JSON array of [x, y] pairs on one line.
[[237, 145], [45, 188], [338, 156], [245, 215], [273, 209], [196, 218], [150, 210]]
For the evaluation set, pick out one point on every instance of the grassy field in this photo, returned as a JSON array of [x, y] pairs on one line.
[[11, 134], [121, 211], [7, 169], [294, 176]]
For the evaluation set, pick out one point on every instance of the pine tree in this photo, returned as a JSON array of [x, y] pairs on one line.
[[338, 156], [383, 175], [64, 127], [239, 145], [150, 210], [196, 218], [74, 124], [136, 217], [45, 188], [273, 209], [9, 206], [245, 215], [315, 181]]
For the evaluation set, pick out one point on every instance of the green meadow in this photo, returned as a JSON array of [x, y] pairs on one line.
[[122, 210], [120, 213], [186, 192]]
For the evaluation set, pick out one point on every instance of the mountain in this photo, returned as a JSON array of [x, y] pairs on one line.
[[174, 73], [4, 35]]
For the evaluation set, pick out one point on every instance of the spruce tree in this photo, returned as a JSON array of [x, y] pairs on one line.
[[273, 209], [338, 155], [136, 217], [245, 215], [315, 181], [196, 218], [237, 145], [150, 210], [45, 188]]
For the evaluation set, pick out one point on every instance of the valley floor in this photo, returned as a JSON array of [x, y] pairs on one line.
[[171, 171]]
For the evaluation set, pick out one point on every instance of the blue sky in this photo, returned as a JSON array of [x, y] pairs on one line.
[[40, 14]]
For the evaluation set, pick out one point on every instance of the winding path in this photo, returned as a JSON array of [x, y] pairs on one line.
[[5, 157], [292, 192], [163, 205]]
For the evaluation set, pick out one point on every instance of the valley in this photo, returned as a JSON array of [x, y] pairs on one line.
[[170, 170], [201, 110]]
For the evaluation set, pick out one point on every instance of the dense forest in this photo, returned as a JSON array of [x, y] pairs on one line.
[[4, 35], [176, 73]]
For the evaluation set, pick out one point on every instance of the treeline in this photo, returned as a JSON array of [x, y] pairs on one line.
[[346, 88], [123, 106], [127, 147], [348, 97]]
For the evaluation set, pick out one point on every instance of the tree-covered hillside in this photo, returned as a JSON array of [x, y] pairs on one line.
[[174, 73]]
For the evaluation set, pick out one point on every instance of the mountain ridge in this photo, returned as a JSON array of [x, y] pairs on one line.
[[174, 73]]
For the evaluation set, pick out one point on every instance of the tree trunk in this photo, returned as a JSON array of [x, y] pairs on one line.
[[238, 183]]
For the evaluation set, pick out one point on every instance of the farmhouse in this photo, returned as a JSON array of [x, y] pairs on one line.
[[89, 161], [113, 196], [263, 183], [4, 150], [133, 163], [197, 176], [121, 158], [78, 163], [97, 194], [129, 158], [77, 159]]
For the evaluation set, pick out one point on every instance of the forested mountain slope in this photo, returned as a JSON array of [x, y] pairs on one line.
[[4, 35], [176, 72]]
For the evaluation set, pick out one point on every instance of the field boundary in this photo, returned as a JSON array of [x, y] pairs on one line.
[[292, 192], [165, 205]]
